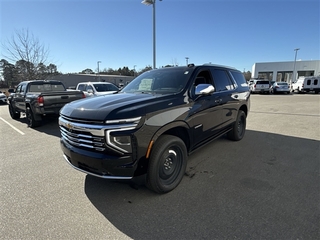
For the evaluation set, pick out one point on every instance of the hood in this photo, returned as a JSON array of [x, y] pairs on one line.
[[115, 106]]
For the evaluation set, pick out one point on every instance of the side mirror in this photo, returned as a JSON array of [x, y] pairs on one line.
[[90, 91], [204, 89]]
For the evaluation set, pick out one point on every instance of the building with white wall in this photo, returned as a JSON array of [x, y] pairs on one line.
[[282, 71], [72, 80]]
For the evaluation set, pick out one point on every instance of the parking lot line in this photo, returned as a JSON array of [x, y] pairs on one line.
[[22, 133]]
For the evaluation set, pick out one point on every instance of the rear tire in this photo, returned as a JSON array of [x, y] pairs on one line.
[[32, 123], [239, 127], [13, 113], [167, 164]]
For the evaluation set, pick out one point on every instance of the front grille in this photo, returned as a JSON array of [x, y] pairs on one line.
[[83, 134], [92, 135], [82, 139]]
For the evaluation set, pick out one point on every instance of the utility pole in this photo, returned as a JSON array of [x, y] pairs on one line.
[[98, 71], [294, 67]]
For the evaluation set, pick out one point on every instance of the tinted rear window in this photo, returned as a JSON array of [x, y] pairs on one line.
[[46, 87], [262, 82]]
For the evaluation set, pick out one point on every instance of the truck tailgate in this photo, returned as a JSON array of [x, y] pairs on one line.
[[60, 98]]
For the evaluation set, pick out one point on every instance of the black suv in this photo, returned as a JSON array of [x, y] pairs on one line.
[[153, 124]]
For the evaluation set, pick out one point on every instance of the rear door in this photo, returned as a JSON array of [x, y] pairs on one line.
[[225, 86]]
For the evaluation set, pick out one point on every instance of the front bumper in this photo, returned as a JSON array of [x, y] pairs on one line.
[[3, 100], [98, 164]]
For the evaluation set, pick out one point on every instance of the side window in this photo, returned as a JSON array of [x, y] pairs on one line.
[[81, 87], [315, 82], [222, 80], [308, 82], [18, 89], [23, 88], [203, 77], [239, 78], [89, 87]]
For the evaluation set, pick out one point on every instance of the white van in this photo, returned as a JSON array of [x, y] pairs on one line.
[[311, 84], [298, 85]]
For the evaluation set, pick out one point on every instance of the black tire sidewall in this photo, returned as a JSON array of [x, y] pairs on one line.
[[154, 181], [29, 117], [234, 133], [13, 113], [32, 123]]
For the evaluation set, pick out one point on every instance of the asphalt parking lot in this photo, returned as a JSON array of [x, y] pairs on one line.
[[263, 187]]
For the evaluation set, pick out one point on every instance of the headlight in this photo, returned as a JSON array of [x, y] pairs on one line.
[[117, 138], [122, 143]]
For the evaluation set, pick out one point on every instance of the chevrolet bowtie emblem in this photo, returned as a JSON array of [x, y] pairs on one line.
[[69, 125]]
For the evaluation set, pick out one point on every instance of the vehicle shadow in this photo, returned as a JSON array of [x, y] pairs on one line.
[[265, 186], [49, 125]]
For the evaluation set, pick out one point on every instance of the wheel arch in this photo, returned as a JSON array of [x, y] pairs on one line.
[[245, 109], [179, 129]]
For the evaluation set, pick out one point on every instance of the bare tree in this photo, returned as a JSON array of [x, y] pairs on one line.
[[28, 50]]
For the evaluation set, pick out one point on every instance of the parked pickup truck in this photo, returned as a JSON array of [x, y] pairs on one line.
[[150, 127], [38, 98]]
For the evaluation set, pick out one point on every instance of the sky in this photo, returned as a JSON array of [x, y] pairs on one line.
[[119, 33]]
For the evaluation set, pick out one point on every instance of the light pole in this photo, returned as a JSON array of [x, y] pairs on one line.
[[187, 60], [134, 70], [294, 66], [153, 3], [98, 70]]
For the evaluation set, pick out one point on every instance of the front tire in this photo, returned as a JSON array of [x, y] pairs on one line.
[[32, 123], [13, 113], [239, 127], [167, 165]]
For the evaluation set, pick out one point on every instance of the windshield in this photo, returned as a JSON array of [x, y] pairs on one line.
[[100, 87], [160, 81]]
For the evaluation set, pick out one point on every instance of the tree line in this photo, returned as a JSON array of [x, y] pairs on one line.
[[26, 58]]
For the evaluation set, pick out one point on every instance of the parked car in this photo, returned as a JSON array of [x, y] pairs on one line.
[[153, 124], [92, 89], [260, 86], [39, 98], [3, 98], [280, 87]]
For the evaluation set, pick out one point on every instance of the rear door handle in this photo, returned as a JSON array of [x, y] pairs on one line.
[[218, 100]]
